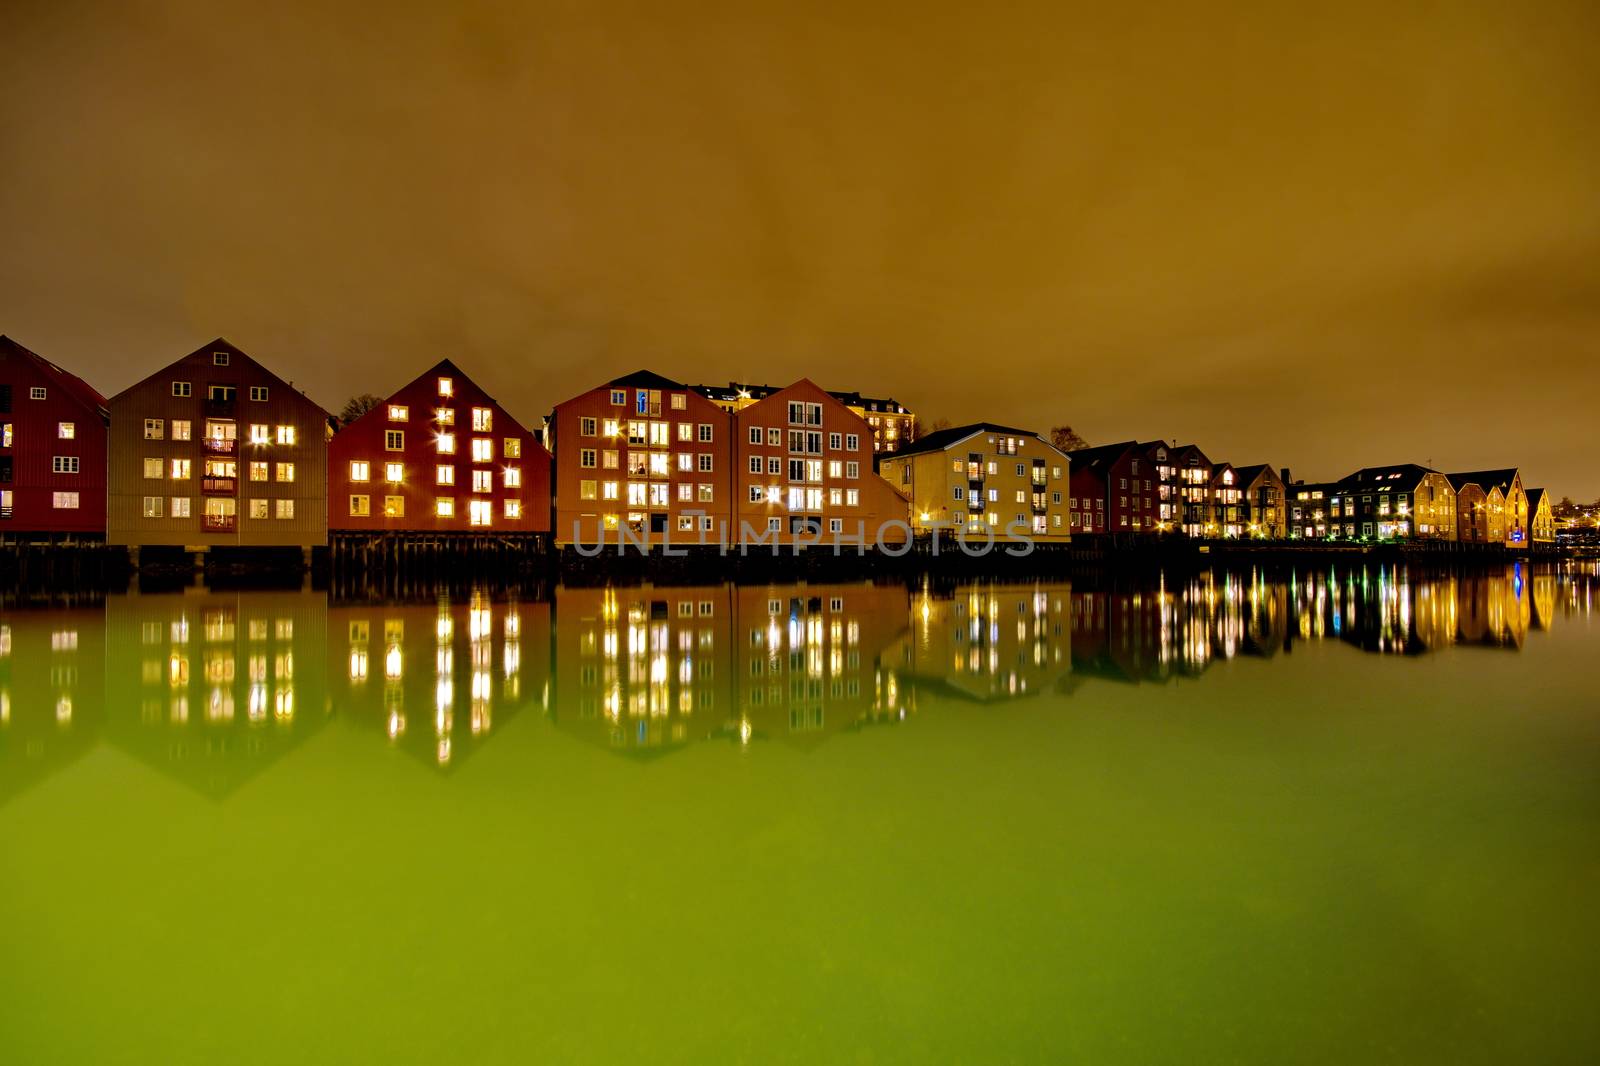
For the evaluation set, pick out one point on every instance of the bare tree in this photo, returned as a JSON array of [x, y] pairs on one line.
[[1066, 438], [356, 406]]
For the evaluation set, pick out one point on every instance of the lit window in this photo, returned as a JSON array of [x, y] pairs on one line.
[[513, 448], [285, 508], [679, 401], [285, 434], [154, 429], [394, 440], [66, 430], [180, 507], [360, 506], [285, 472], [5, 435], [153, 469], [482, 450], [394, 507], [181, 469], [444, 475], [480, 512], [444, 507], [64, 501], [445, 416], [260, 433], [588, 490], [181, 429], [482, 420], [258, 508], [153, 506], [360, 470], [513, 508], [513, 477], [394, 473], [483, 481], [446, 443], [258, 471], [447, 387], [608, 490]]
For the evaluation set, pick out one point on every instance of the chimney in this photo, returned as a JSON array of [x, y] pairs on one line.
[[1284, 473]]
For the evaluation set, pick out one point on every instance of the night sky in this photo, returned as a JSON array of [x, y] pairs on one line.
[[1359, 235]]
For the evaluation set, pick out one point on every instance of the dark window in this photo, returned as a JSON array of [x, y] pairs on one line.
[[5, 398], [5, 470]]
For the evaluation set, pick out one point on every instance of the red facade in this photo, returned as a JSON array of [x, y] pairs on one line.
[[439, 456], [643, 458], [1088, 487], [52, 448]]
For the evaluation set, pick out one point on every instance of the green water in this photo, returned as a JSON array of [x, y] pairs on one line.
[[1327, 817]]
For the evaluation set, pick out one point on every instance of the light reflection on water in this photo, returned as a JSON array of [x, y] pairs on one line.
[[212, 687]]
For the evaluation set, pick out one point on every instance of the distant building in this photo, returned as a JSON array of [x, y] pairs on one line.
[[1480, 514], [1512, 507], [1308, 507], [52, 449], [1541, 522], [1183, 489], [1226, 500], [1261, 501], [803, 469], [891, 424], [642, 457], [439, 456], [984, 476], [217, 450], [1395, 502]]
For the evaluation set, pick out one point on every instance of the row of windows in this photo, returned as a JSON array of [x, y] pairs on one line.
[[959, 492], [805, 469], [640, 494], [655, 434], [975, 466], [394, 440], [648, 401], [181, 507], [803, 499], [482, 417], [183, 429], [183, 469], [804, 441], [185, 389], [652, 464], [479, 512], [444, 474]]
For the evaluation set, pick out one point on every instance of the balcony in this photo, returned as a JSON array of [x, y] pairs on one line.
[[219, 445], [219, 486], [219, 523]]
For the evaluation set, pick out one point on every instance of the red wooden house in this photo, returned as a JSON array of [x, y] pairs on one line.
[[52, 449], [439, 456]]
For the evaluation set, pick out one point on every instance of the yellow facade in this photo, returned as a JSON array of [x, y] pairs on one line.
[[1006, 483]]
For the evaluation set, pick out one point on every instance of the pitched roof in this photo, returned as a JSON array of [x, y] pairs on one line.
[[1100, 457], [734, 390], [645, 379], [80, 390], [1405, 473], [1247, 474], [1534, 496], [1484, 479], [945, 438]]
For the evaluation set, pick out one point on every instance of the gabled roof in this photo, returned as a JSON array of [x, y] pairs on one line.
[[645, 379], [1101, 457], [1379, 476], [1248, 474], [946, 438], [223, 344], [1535, 496], [735, 390], [80, 390], [1484, 479]]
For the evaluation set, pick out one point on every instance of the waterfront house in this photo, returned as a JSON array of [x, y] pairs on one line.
[[803, 471], [1309, 518], [983, 476], [645, 458], [52, 450], [439, 456], [1541, 522], [1261, 501], [1511, 509], [891, 425], [216, 450], [1112, 489], [1183, 488], [1226, 501], [1477, 521], [1405, 501]]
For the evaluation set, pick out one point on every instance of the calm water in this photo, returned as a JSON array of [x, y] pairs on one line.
[[1327, 817]]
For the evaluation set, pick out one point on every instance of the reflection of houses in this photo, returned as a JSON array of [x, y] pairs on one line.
[[1495, 608], [1174, 630], [809, 660], [439, 679], [52, 692], [990, 642], [643, 669], [213, 687], [1393, 610]]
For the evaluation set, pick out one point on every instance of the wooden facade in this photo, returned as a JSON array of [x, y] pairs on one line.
[[802, 473], [438, 456], [216, 450], [985, 479], [52, 450]]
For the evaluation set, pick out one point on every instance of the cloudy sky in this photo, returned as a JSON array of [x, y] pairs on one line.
[[1315, 235]]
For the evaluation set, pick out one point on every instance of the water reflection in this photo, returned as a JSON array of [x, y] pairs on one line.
[[211, 688]]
